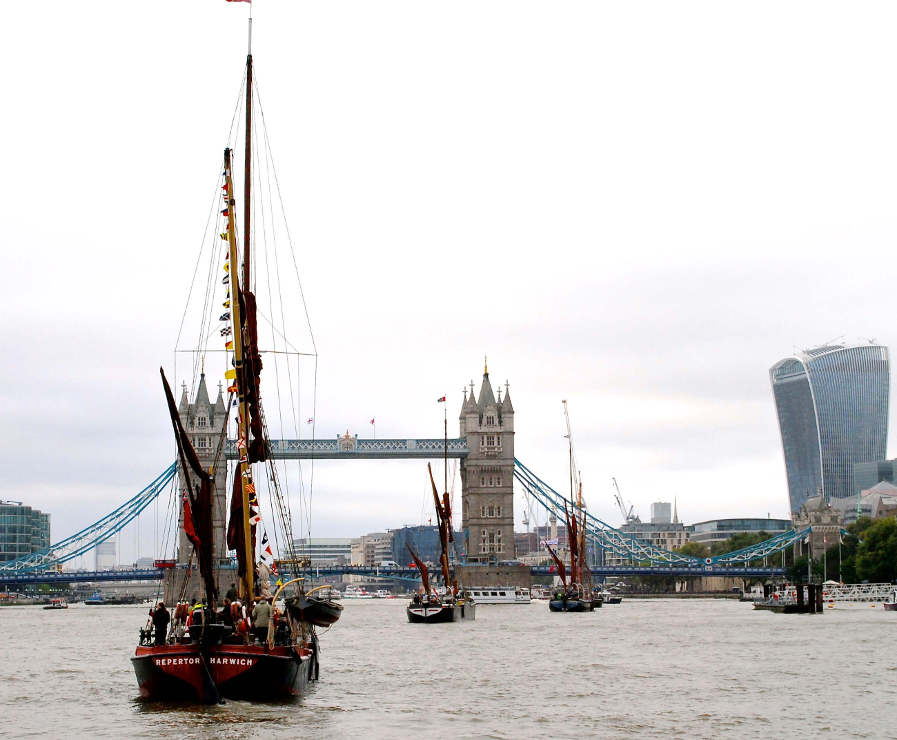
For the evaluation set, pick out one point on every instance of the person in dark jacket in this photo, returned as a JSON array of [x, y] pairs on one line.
[[161, 618]]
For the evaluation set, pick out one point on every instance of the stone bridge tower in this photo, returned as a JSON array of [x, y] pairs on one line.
[[204, 422], [487, 475]]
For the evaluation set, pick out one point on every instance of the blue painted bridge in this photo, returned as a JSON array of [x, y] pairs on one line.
[[33, 578], [352, 448], [617, 546]]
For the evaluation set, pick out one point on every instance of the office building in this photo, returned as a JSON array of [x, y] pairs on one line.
[[23, 530], [324, 551], [719, 530], [661, 512], [832, 406], [876, 502], [106, 555], [371, 549], [867, 474]]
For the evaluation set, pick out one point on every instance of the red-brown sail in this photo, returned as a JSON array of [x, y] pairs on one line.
[[562, 571], [199, 494], [421, 566]]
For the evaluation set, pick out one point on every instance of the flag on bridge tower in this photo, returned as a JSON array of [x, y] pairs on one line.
[[440, 400], [372, 421]]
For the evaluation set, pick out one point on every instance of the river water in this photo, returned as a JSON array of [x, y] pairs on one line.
[[647, 668]]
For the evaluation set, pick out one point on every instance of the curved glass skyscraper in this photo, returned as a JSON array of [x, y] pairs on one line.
[[832, 403]]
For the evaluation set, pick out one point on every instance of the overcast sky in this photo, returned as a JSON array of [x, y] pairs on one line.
[[638, 207]]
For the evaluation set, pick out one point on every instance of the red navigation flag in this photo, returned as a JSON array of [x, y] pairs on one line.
[[372, 421], [440, 400], [309, 421]]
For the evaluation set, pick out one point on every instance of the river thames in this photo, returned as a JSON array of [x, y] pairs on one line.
[[651, 668]]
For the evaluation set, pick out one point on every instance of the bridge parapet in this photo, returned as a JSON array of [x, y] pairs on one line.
[[348, 448]]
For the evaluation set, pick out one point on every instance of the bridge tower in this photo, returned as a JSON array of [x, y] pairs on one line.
[[487, 474], [204, 422]]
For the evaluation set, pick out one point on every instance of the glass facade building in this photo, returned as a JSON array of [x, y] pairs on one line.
[[23, 530], [719, 530], [832, 404]]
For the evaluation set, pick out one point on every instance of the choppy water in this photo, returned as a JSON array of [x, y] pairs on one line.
[[659, 668]]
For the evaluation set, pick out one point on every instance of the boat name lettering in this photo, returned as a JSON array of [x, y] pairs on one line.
[[232, 661], [176, 661]]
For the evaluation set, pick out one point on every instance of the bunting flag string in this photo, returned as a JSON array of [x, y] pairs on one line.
[[226, 331], [225, 316], [225, 280], [229, 345], [223, 235]]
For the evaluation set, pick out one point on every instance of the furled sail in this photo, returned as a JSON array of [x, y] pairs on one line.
[[562, 571], [421, 566], [199, 486]]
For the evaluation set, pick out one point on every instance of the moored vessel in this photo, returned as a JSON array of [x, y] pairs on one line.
[[57, 603]]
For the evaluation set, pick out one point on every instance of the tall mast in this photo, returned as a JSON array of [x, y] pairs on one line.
[[243, 416], [247, 168]]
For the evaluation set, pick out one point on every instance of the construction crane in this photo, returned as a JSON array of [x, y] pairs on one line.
[[628, 516]]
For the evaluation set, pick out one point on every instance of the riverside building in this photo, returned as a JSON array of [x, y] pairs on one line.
[[324, 551], [832, 406], [719, 530], [23, 530]]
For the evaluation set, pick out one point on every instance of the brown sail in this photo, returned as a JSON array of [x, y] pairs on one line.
[[199, 487]]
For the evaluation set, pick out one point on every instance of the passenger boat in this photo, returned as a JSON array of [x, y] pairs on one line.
[[217, 656], [499, 595], [356, 592], [99, 599], [57, 603]]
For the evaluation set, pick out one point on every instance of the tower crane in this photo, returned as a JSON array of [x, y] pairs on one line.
[[628, 516]]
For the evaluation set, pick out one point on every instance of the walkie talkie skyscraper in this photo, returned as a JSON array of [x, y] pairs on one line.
[[832, 404]]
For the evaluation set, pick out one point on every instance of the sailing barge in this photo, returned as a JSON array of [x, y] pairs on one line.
[[575, 594], [429, 607], [216, 656]]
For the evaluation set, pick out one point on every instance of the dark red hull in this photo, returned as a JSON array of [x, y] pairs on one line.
[[251, 672]]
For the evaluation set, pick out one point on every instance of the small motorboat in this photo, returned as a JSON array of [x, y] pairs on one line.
[[57, 603], [321, 610]]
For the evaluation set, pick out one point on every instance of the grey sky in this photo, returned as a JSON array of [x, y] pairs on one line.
[[636, 207]]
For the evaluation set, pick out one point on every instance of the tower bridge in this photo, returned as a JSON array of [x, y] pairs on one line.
[[488, 469]]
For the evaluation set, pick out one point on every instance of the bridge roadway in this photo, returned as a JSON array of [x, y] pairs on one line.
[[352, 448], [151, 574]]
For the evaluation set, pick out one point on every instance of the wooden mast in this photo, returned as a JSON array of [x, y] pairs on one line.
[[247, 170], [246, 581]]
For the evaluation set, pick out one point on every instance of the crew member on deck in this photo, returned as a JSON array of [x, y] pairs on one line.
[[161, 618], [261, 617]]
